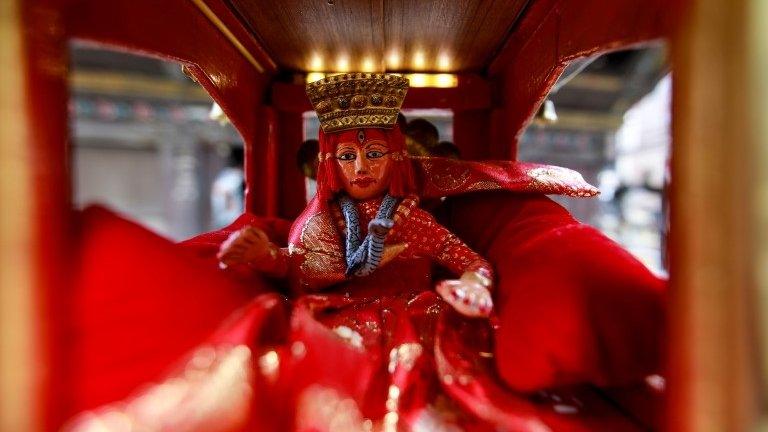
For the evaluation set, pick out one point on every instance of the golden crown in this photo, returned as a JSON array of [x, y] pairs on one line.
[[357, 100]]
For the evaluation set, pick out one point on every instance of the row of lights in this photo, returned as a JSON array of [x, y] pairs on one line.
[[415, 79], [393, 61]]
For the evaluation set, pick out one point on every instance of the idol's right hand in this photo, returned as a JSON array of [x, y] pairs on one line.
[[248, 245]]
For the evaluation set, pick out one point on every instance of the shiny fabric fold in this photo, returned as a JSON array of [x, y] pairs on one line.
[[438, 177]]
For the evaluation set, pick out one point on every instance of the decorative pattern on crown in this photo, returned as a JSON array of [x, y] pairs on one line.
[[357, 100]]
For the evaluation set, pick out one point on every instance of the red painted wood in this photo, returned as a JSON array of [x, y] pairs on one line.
[[549, 35], [292, 194], [230, 19], [472, 133], [45, 69], [261, 165]]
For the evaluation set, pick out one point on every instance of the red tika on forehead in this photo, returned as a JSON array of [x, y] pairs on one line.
[[353, 137]]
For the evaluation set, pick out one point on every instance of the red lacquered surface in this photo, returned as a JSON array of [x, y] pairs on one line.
[[550, 34]]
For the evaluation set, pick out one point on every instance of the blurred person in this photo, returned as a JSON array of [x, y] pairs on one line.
[[306, 160], [402, 121], [228, 191], [446, 149], [421, 136]]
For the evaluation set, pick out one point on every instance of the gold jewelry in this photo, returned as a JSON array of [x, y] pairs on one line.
[[478, 278], [324, 156], [357, 100]]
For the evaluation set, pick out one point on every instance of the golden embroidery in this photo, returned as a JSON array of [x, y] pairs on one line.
[[483, 185], [324, 409], [392, 251], [567, 181], [357, 100], [438, 417], [350, 336], [214, 384], [446, 176], [404, 355], [323, 260], [269, 363]]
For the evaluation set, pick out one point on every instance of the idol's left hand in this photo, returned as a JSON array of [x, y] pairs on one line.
[[467, 295]]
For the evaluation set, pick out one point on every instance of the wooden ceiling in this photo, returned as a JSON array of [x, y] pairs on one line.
[[378, 35]]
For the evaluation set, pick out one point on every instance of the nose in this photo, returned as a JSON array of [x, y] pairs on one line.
[[361, 164]]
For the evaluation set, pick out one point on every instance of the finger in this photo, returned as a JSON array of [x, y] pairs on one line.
[[444, 289], [238, 246], [229, 261], [231, 239], [229, 252], [471, 304], [247, 239], [483, 308], [262, 235], [234, 252], [256, 234], [464, 309]]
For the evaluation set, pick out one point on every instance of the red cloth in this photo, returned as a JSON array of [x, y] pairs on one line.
[[139, 302], [573, 306], [438, 177]]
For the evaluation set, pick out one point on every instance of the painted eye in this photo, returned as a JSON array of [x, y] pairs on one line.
[[375, 154], [349, 156]]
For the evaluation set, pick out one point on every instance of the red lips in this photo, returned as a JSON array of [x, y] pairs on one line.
[[363, 182]]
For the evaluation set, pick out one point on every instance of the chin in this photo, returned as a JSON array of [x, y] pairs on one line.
[[362, 195]]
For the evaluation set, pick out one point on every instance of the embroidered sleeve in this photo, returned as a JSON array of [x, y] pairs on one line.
[[444, 246]]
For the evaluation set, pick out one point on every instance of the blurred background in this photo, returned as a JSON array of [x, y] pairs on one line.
[[147, 142]]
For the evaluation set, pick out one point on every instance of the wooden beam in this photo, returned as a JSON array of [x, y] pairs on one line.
[[718, 185], [549, 36]]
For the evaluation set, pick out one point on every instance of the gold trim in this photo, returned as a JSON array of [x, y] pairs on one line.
[[357, 100], [226, 32]]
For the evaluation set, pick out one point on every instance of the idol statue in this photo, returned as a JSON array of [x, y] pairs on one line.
[[365, 224]]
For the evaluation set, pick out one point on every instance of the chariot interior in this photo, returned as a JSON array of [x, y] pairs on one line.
[[490, 64]]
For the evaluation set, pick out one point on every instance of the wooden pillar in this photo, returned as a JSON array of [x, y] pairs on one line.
[[472, 133], [718, 227], [34, 211], [261, 165], [17, 348], [292, 195]]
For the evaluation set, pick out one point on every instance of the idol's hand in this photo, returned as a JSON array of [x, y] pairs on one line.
[[248, 245], [468, 295]]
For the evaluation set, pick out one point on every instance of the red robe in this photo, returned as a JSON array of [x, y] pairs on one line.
[[384, 349]]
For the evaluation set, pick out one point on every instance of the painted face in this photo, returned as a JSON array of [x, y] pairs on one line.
[[363, 161]]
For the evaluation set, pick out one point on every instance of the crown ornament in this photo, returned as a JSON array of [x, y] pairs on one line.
[[357, 100]]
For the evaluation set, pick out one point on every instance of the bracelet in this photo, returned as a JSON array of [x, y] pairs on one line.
[[478, 278]]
